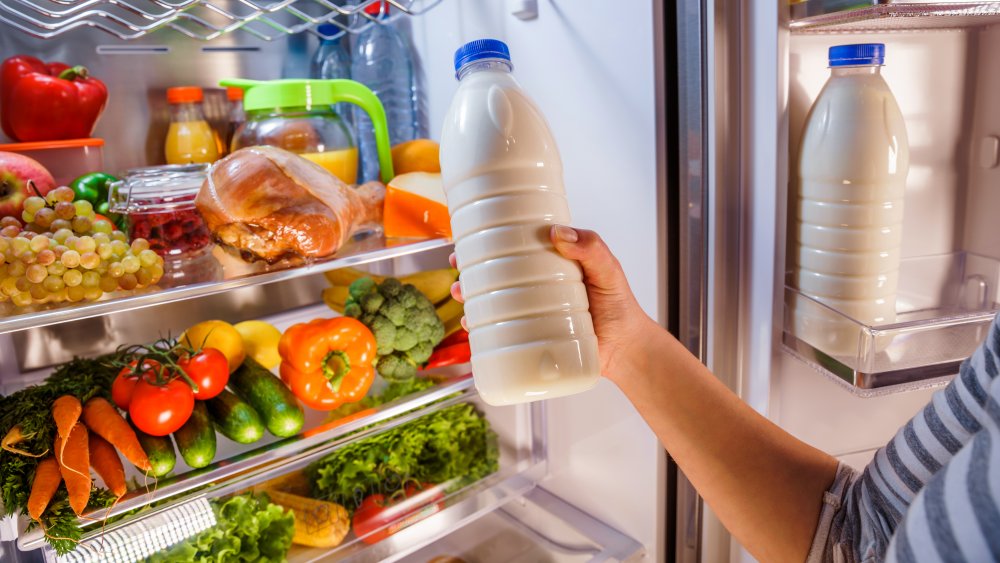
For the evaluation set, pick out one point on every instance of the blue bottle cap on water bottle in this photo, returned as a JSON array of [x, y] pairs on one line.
[[327, 30], [481, 49], [859, 54]]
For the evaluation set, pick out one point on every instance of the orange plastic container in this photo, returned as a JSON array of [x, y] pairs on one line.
[[65, 160]]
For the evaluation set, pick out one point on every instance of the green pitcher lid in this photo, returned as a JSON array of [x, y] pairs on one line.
[[298, 93], [287, 93]]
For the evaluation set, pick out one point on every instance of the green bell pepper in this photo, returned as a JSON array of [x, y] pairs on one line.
[[94, 188]]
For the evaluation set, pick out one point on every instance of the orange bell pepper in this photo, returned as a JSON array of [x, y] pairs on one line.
[[328, 362]]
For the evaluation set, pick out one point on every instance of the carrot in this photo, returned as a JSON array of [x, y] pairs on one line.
[[45, 484], [103, 419], [104, 459], [66, 412], [15, 436], [74, 465]]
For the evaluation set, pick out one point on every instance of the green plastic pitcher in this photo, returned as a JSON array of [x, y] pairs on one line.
[[298, 115]]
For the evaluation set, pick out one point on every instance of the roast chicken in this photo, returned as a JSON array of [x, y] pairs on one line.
[[269, 204]]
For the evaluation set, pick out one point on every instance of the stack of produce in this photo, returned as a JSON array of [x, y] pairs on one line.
[[53, 433], [64, 252], [403, 353]]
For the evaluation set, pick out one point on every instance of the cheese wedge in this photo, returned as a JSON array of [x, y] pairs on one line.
[[415, 207]]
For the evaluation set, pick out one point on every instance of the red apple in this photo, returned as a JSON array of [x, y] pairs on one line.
[[15, 171]]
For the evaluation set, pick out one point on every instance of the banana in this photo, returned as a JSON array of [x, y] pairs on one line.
[[335, 298], [435, 284], [450, 314], [346, 276]]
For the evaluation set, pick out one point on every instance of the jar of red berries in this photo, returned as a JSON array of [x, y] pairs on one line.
[[158, 203]]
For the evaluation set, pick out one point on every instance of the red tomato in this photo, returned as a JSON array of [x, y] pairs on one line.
[[124, 384], [159, 410], [376, 513], [209, 369]]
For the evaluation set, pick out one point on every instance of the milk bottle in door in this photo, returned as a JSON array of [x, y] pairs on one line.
[[529, 325], [848, 216]]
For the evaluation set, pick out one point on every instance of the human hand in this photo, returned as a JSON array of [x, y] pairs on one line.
[[619, 321]]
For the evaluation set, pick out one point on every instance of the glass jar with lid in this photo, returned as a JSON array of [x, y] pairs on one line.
[[300, 117], [158, 204]]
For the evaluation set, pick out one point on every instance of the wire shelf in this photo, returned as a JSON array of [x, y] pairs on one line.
[[199, 19], [824, 16]]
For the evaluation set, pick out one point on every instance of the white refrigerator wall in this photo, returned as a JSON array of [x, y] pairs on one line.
[[593, 77]]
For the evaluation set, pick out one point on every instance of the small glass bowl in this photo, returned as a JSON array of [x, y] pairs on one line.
[[158, 203]]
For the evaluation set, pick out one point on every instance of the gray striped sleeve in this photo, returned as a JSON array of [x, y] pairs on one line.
[[933, 490]]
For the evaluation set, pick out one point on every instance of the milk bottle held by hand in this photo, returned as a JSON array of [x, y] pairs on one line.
[[530, 329], [849, 212]]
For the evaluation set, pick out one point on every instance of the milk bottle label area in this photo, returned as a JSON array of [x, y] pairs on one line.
[[848, 216], [530, 329]]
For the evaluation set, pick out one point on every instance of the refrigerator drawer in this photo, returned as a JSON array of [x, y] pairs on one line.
[[386, 484], [539, 527]]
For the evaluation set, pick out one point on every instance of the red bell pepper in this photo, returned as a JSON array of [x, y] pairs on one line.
[[452, 350], [48, 101]]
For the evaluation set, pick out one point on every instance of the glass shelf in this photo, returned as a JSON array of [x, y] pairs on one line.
[[539, 527], [824, 16], [944, 307], [211, 274]]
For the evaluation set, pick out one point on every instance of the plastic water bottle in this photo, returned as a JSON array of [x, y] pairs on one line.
[[526, 306], [331, 61], [382, 61], [848, 219]]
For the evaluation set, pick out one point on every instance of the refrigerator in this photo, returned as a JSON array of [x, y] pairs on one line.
[[678, 125]]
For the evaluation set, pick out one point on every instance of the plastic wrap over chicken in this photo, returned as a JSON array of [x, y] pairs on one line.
[[269, 204]]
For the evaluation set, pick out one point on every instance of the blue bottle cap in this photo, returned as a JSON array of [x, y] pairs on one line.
[[481, 49], [859, 54], [327, 30]]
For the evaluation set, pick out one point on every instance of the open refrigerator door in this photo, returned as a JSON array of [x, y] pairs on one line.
[[755, 70], [434, 472]]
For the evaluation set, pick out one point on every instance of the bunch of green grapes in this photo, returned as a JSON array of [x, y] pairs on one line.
[[64, 254]]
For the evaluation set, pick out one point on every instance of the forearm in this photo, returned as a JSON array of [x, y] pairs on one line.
[[765, 485]]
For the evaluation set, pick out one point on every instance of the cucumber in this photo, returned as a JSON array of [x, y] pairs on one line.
[[196, 439], [234, 418], [275, 404], [159, 450]]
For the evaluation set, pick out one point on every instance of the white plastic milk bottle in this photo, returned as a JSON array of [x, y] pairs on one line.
[[849, 213], [526, 307]]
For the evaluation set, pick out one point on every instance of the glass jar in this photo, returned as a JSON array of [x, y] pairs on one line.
[[318, 134], [300, 117], [158, 204]]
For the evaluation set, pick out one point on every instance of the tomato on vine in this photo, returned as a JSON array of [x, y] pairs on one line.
[[208, 368]]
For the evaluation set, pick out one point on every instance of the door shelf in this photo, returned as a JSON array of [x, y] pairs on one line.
[[825, 16], [198, 19], [945, 305], [250, 467], [211, 274]]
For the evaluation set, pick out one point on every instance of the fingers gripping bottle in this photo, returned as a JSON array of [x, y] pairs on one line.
[[526, 306]]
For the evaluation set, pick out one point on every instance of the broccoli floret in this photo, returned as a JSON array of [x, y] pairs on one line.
[[421, 352], [372, 302], [403, 320], [385, 334], [395, 366], [406, 338], [360, 287]]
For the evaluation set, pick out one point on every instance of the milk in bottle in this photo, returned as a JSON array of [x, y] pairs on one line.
[[848, 217], [526, 307]]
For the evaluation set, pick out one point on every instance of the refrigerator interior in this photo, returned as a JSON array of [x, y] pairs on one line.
[[602, 105]]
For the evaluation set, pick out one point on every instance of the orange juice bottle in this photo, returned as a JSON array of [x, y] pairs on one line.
[[190, 138]]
